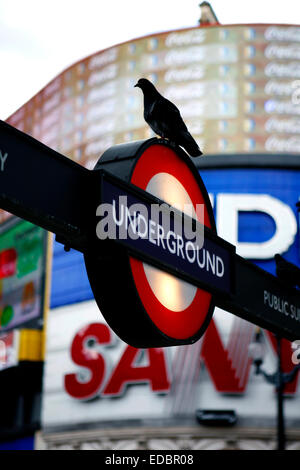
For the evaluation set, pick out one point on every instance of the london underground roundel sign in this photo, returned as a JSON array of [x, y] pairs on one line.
[[144, 304]]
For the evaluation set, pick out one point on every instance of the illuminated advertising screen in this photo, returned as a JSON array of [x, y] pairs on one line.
[[22, 274], [237, 87]]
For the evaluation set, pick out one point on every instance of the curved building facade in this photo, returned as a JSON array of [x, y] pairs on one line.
[[238, 89], [236, 86]]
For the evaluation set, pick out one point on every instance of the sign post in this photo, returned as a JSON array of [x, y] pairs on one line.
[[155, 285]]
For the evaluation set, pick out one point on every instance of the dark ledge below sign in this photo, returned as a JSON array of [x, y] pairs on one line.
[[248, 160]]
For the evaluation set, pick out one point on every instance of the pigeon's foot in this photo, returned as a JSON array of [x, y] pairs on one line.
[[170, 142]]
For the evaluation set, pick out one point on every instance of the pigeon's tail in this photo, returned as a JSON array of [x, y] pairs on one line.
[[190, 145]]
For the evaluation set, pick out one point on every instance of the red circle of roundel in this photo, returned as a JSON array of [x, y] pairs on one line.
[[176, 324]]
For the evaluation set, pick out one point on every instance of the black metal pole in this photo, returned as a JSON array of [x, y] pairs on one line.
[[280, 411]]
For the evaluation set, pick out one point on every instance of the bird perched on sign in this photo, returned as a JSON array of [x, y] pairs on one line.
[[164, 118]]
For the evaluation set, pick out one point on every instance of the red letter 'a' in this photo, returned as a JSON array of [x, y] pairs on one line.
[[127, 371], [286, 361], [89, 358]]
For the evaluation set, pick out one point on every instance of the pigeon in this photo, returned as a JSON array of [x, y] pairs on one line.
[[164, 118]]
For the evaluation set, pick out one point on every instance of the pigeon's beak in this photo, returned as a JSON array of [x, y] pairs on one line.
[[136, 85]]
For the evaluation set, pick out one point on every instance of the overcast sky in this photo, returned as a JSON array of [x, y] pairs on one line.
[[40, 38]]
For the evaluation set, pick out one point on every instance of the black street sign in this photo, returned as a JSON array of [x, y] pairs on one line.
[[239, 286], [46, 188], [43, 186], [147, 237], [263, 299]]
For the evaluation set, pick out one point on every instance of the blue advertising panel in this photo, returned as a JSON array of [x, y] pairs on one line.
[[69, 283], [255, 227], [24, 443]]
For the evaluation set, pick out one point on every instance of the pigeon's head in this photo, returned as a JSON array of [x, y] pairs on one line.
[[145, 85]]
